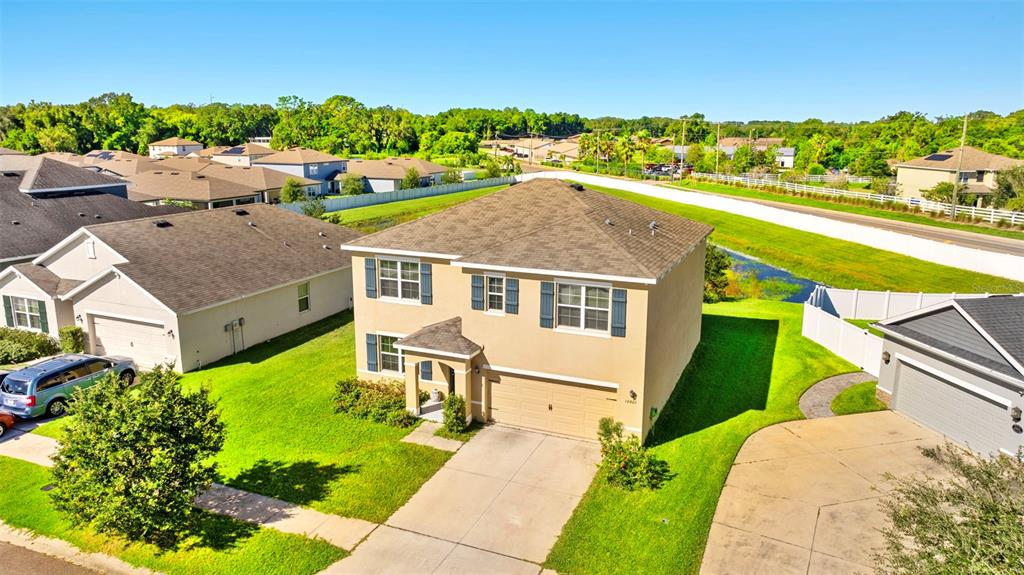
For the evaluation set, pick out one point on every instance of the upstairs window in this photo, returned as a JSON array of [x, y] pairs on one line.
[[495, 293], [314, 169], [583, 307], [399, 279]]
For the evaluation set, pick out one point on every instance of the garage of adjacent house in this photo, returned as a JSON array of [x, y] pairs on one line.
[[956, 367]]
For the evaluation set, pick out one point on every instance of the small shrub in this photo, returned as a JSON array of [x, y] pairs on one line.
[[15, 352], [72, 339], [625, 462], [39, 344], [454, 413], [381, 402]]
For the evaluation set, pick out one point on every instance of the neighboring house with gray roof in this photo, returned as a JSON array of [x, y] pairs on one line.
[[43, 200], [308, 164], [958, 367], [388, 175], [186, 288], [545, 305]]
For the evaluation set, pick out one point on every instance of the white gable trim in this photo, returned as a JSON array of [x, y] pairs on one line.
[[394, 252], [71, 238], [11, 270], [86, 284]]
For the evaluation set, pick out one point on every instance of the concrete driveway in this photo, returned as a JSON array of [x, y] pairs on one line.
[[496, 507], [802, 497]]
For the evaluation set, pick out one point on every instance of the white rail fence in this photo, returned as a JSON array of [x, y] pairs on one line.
[[990, 215], [827, 309], [370, 199], [818, 178]]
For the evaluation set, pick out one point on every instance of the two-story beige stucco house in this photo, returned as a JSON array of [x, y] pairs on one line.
[[977, 171], [546, 305], [186, 288]]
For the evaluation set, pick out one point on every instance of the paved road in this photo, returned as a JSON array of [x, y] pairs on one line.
[[16, 559], [944, 235]]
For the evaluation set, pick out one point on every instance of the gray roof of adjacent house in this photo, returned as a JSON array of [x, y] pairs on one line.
[[40, 174], [444, 337], [201, 258], [31, 225], [988, 332], [549, 225]]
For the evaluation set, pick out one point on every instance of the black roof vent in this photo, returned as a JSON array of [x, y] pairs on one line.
[[15, 223], [241, 212], [81, 214], [10, 174], [162, 224], [577, 187]]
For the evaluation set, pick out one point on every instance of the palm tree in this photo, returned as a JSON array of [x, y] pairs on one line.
[[643, 142], [605, 147]]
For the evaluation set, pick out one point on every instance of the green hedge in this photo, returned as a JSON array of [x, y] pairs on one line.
[[18, 345], [382, 402]]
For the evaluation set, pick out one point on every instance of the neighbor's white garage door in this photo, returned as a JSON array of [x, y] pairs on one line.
[[145, 343], [961, 415], [556, 407]]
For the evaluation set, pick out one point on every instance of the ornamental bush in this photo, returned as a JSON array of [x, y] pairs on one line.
[[72, 339], [625, 462], [134, 459], [382, 402], [454, 414], [15, 352], [38, 344]]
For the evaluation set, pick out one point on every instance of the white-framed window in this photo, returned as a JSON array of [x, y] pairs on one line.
[[583, 306], [390, 356], [314, 169], [26, 313], [303, 297], [495, 286], [399, 279]]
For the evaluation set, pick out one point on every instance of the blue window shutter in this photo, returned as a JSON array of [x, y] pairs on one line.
[[426, 284], [371, 277], [427, 370], [511, 295], [43, 323], [371, 351], [478, 292], [547, 304], [8, 311], [619, 312]]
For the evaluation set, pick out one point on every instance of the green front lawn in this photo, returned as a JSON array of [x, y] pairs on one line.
[[858, 398], [827, 260], [283, 438], [374, 218], [868, 210], [748, 372], [214, 545], [865, 324]]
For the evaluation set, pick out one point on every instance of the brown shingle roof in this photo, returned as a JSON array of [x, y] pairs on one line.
[[208, 257], [247, 149], [297, 156], [444, 337], [41, 173], [974, 159], [548, 225], [391, 168], [47, 281], [188, 186], [175, 141]]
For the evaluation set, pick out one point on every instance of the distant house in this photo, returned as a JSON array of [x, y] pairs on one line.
[[563, 152], [43, 200], [306, 163], [206, 153], [187, 288], [784, 157], [958, 367], [533, 149], [978, 171], [211, 185], [173, 147], [243, 155], [387, 175]]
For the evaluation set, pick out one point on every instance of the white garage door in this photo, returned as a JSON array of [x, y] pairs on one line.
[[145, 343], [547, 406], [961, 415]]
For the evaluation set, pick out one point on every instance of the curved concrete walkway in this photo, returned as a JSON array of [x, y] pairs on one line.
[[817, 400], [802, 497]]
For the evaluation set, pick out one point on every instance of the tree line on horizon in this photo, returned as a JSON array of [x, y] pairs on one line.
[[344, 126]]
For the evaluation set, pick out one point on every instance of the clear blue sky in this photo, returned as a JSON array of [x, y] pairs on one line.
[[731, 61]]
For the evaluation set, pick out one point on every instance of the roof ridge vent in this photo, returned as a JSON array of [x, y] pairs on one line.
[[653, 226], [251, 224]]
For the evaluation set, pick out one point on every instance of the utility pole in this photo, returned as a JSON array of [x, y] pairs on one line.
[[718, 146], [682, 145], [959, 164]]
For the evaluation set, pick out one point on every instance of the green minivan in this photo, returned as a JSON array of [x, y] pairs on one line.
[[46, 387]]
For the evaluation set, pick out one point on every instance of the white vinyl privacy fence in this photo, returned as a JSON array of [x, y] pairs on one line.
[[987, 214], [827, 309], [822, 178], [361, 200]]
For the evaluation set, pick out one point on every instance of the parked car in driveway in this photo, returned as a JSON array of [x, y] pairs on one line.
[[6, 422], [46, 387]]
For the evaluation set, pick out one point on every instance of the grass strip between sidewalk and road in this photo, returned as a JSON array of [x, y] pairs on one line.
[[215, 545], [863, 210], [827, 260]]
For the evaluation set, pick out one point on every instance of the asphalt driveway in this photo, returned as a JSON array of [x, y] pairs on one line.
[[496, 507], [802, 497]]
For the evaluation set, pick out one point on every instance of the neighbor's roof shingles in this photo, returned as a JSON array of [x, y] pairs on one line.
[[296, 156], [208, 257], [974, 160], [175, 142], [40, 173], [391, 168], [549, 225]]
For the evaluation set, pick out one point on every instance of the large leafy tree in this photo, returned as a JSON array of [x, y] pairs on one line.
[[1009, 187], [133, 459]]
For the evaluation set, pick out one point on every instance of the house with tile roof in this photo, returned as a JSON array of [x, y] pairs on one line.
[[186, 288], [958, 368], [545, 305], [977, 171]]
